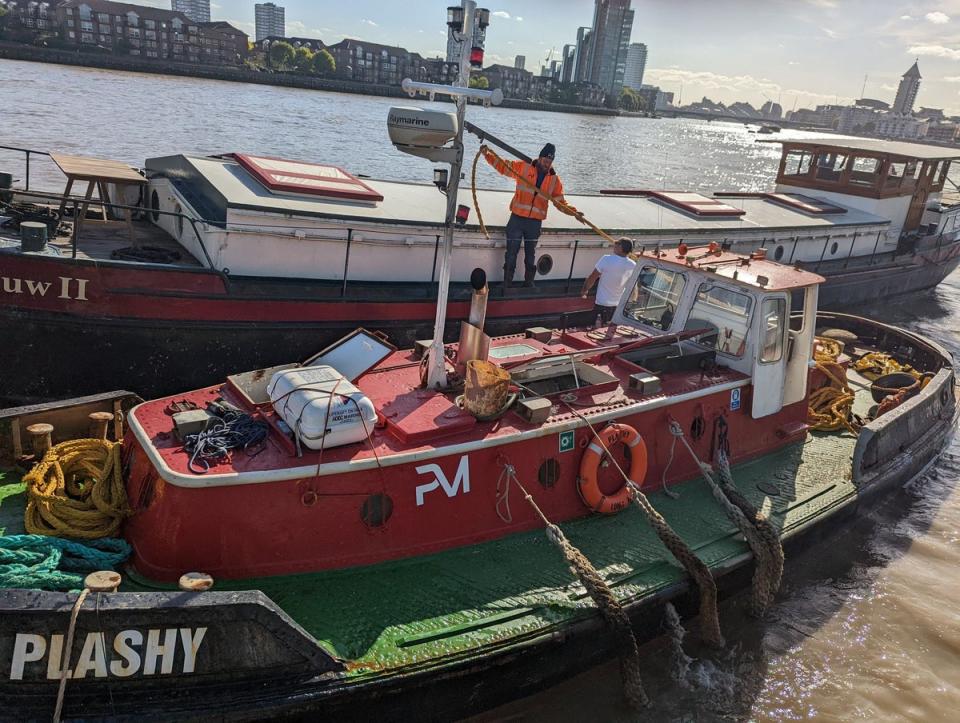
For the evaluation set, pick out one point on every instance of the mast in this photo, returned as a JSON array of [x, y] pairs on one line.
[[436, 369]]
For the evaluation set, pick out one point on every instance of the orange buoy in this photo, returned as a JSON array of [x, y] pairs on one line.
[[588, 483]]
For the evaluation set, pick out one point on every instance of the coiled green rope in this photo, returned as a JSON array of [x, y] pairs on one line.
[[53, 563]]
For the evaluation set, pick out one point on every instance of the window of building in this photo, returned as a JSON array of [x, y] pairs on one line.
[[72, 35], [654, 301], [86, 37], [725, 310], [151, 24]]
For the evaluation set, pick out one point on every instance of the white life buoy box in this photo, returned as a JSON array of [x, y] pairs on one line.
[[321, 406]]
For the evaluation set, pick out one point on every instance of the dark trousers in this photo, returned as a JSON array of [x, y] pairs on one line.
[[605, 312], [526, 230]]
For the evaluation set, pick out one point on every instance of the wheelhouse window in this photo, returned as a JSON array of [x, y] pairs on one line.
[[797, 163], [865, 171], [830, 166], [772, 320], [655, 298], [724, 311]]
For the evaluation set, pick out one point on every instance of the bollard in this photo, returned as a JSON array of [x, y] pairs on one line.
[[41, 437], [102, 581], [99, 424], [195, 582]]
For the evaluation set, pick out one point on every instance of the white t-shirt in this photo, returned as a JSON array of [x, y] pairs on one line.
[[614, 273]]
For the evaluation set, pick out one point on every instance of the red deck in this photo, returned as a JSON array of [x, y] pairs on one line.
[[431, 471]]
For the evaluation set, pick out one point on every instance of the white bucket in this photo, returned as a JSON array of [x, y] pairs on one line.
[[321, 406]]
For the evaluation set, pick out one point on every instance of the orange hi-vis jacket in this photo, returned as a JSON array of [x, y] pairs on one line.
[[525, 201]]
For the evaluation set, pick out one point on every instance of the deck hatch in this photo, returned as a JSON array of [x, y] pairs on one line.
[[697, 203], [804, 203], [311, 179]]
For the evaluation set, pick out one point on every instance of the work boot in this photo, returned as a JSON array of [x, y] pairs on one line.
[[528, 277], [508, 278]]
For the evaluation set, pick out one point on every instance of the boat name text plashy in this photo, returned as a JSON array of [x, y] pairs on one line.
[[11, 285], [130, 652]]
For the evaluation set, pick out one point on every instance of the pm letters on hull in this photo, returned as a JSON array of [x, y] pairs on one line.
[[460, 484]]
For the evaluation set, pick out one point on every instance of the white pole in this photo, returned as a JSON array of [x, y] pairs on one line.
[[436, 371]]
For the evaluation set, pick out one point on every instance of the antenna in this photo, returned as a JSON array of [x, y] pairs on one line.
[[863, 90]]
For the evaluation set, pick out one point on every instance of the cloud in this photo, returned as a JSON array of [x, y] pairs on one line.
[[832, 34], [519, 19], [298, 28], [952, 78], [888, 87], [793, 62], [501, 14], [370, 23], [937, 18], [823, 3], [934, 51], [906, 17]]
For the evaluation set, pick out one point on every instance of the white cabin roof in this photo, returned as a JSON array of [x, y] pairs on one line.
[[221, 185]]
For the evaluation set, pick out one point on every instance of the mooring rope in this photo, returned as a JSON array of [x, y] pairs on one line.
[[766, 576], [610, 608], [693, 565], [765, 529], [77, 491]]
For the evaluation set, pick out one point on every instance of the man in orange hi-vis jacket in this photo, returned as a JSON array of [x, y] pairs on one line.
[[527, 209]]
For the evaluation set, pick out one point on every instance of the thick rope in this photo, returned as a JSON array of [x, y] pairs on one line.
[[830, 408], [762, 595], [68, 648], [773, 571], [77, 490], [560, 204], [473, 190], [52, 563], [610, 608], [694, 566]]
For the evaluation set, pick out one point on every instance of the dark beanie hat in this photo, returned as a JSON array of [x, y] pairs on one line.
[[548, 150]]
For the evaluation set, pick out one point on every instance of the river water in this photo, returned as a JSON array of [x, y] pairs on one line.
[[867, 626]]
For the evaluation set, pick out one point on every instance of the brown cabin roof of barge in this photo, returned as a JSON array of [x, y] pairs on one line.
[[759, 273], [900, 149]]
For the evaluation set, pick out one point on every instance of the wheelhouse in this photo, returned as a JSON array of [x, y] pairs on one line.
[[737, 308]]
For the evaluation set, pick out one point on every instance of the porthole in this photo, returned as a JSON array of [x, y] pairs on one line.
[[549, 473], [179, 210], [833, 248], [376, 510], [544, 264], [155, 206], [778, 253]]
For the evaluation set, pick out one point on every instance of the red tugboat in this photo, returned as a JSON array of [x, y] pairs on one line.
[[424, 471]]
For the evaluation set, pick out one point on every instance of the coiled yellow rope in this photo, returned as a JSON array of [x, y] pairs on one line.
[[877, 364], [77, 491], [830, 408], [561, 205]]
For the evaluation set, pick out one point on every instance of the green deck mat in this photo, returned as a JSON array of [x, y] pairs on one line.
[[406, 612]]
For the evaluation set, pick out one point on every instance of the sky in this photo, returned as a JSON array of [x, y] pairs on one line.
[[798, 52]]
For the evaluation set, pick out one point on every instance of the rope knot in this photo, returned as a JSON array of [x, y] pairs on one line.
[[675, 429]]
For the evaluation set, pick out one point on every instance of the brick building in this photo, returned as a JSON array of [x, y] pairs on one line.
[[128, 29], [367, 62], [514, 82], [222, 43]]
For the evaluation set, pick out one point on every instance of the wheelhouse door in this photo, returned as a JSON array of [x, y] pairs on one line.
[[769, 368]]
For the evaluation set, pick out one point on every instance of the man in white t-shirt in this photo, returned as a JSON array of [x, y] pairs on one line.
[[614, 271]]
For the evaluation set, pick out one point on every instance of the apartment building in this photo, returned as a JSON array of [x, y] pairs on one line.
[[129, 29]]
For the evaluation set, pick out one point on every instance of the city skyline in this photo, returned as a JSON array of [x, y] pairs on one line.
[[799, 53]]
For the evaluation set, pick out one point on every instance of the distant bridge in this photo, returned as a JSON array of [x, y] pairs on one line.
[[703, 115]]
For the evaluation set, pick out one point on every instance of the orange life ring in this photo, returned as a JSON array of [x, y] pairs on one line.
[[590, 462]]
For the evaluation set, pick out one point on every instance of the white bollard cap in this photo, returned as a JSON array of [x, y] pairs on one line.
[[102, 581], [195, 581]]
